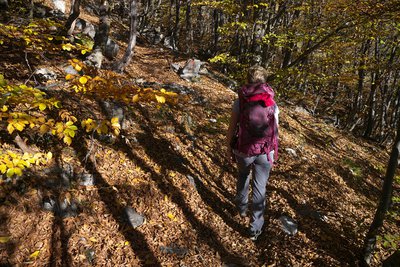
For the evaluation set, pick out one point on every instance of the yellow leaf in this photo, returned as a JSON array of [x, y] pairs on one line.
[[127, 243], [69, 77], [50, 38], [83, 80], [3, 168], [114, 120], [67, 47], [93, 239], [67, 140], [44, 129], [171, 216], [17, 171], [84, 51], [35, 254], [4, 109], [49, 156], [135, 98], [42, 106], [10, 128], [172, 174], [19, 126], [78, 67], [160, 99], [4, 239]]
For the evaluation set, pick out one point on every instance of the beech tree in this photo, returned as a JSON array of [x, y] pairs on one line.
[[386, 197], [120, 66]]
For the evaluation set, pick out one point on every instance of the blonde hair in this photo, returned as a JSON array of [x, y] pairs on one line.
[[257, 74]]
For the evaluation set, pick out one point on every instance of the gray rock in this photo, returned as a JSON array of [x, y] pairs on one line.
[[86, 179], [140, 80], [89, 30], [191, 181], [154, 36], [190, 71], [70, 70], [314, 214], [134, 218], [175, 67], [90, 255], [59, 5], [302, 110], [67, 174], [46, 74], [203, 70], [289, 226], [49, 204], [53, 28], [179, 251], [291, 152], [39, 12], [80, 24], [95, 59], [67, 209], [111, 49], [168, 43]]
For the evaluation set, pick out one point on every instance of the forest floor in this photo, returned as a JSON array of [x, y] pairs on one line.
[[171, 167]]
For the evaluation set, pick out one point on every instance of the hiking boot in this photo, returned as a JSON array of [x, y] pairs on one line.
[[242, 209], [255, 234]]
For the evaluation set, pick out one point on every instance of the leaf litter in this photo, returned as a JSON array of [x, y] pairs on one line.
[[171, 172]]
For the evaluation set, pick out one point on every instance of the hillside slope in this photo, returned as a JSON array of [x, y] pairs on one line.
[[170, 166]]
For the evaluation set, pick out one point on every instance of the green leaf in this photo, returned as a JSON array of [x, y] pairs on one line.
[[10, 172], [2, 80]]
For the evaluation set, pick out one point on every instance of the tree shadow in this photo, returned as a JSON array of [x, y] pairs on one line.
[[136, 239], [327, 238], [9, 247], [159, 150], [183, 165], [358, 183], [59, 244], [196, 148]]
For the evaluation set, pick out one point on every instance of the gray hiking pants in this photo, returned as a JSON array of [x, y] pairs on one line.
[[261, 168]]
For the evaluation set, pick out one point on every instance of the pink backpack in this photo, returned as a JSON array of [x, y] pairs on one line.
[[258, 131]]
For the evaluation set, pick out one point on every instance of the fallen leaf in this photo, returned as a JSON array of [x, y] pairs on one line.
[[4, 239], [35, 254]]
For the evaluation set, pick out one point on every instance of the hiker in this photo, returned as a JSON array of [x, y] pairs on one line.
[[252, 141]]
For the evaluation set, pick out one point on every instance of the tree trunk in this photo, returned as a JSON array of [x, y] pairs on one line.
[[370, 240], [100, 39], [215, 24], [361, 76], [371, 107], [175, 33], [120, 66], [74, 14], [189, 31]]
